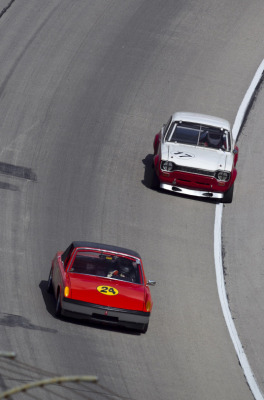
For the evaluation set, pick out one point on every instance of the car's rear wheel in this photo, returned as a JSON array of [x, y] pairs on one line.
[[49, 284], [228, 196], [58, 306], [144, 328]]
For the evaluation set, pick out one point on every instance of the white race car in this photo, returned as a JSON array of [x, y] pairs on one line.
[[194, 154]]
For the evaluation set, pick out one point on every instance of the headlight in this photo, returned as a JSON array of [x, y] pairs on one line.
[[167, 166], [223, 176]]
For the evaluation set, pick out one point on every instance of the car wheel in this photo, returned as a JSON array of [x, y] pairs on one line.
[[155, 183], [58, 306], [49, 284], [228, 196], [144, 328]]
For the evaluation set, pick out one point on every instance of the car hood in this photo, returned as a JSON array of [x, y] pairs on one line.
[[130, 296], [197, 157]]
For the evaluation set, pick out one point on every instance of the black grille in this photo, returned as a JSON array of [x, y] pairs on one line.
[[191, 170]]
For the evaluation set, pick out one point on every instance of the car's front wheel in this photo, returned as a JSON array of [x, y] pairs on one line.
[[228, 196], [155, 183], [58, 306]]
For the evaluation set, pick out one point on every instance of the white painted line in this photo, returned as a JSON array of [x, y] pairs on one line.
[[247, 98], [225, 308], [218, 252]]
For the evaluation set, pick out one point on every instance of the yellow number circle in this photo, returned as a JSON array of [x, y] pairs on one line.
[[108, 290]]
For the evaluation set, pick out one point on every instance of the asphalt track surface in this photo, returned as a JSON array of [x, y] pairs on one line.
[[84, 86]]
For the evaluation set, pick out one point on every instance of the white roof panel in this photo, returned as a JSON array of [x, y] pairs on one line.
[[201, 119]]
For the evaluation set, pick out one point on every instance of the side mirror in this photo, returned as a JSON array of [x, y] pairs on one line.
[[235, 151], [151, 283]]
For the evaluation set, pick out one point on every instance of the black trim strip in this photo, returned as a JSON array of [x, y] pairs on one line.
[[192, 170], [107, 308]]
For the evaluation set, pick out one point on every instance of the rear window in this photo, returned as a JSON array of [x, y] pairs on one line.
[[107, 265]]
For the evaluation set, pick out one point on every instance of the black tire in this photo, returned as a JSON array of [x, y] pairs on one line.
[[49, 284], [228, 196], [155, 183], [144, 328], [58, 306]]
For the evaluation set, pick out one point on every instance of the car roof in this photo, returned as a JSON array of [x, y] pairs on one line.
[[100, 246], [201, 119]]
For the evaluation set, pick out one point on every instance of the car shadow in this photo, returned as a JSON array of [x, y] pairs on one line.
[[149, 171], [48, 298], [148, 183], [49, 301]]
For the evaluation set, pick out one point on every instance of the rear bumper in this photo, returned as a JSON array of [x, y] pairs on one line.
[[192, 192], [118, 316]]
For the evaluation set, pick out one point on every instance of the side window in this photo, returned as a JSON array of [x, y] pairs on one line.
[[166, 126], [227, 142], [67, 255]]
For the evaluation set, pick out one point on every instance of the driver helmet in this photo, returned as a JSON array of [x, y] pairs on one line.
[[124, 266], [214, 139], [124, 270]]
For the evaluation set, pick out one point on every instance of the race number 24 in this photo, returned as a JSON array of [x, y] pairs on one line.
[[108, 290]]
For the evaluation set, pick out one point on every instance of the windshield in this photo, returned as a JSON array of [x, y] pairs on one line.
[[199, 135], [107, 265]]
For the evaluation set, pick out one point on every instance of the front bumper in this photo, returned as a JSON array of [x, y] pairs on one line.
[[95, 312], [192, 192]]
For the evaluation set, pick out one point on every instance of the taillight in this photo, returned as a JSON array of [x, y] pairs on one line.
[[148, 306]]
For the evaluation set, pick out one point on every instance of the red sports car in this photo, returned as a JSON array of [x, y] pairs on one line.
[[103, 283]]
